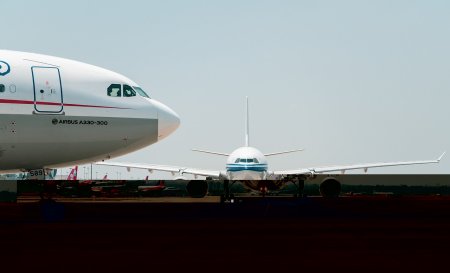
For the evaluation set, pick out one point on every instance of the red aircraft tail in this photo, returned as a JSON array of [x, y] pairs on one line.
[[73, 174]]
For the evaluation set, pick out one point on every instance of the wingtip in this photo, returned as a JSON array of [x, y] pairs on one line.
[[442, 155]]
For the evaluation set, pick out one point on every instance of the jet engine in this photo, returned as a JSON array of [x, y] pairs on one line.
[[330, 187], [180, 178], [197, 188]]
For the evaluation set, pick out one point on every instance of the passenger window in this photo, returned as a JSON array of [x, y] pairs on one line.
[[114, 90], [128, 91], [2, 88]]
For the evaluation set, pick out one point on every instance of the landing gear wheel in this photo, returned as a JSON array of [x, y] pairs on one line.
[[232, 198]]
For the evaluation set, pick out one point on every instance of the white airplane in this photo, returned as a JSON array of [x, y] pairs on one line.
[[249, 166], [56, 113]]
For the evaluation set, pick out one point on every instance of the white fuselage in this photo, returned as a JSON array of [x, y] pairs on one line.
[[246, 163], [249, 166], [56, 112]]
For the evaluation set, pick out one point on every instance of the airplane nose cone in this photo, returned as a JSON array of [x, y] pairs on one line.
[[168, 121]]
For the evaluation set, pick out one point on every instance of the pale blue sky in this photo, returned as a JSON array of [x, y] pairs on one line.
[[349, 81]]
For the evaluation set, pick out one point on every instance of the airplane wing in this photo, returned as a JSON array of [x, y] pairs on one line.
[[343, 168], [164, 168]]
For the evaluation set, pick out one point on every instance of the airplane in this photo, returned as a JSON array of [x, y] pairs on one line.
[[151, 189], [249, 166], [75, 187], [56, 112]]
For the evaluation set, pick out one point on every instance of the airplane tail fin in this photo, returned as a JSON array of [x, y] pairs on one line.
[[247, 137], [52, 174], [73, 174], [247, 125]]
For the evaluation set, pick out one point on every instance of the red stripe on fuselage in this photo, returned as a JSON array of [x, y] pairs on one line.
[[6, 101]]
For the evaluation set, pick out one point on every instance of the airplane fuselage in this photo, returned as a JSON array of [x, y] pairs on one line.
[[56, 112], [246, 163]]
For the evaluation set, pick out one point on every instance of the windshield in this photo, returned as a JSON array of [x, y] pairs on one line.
[[141, 92], [115, 90], [128, 91]]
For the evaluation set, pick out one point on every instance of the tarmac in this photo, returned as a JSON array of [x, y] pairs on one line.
[[274, 234]]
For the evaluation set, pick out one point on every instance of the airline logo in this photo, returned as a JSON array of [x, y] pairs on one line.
[[4, 68]]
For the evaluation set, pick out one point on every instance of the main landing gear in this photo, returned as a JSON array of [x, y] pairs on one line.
[[227, 196], [300, 185]]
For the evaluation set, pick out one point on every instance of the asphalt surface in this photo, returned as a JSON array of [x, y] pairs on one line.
[[350, 234]]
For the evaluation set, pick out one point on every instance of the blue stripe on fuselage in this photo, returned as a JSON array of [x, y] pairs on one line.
[[246, 167]]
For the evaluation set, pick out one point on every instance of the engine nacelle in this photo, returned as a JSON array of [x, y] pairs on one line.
[[330, 187], [180, 178], [197, 188]]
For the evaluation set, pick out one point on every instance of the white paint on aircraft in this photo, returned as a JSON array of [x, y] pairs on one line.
[[56, 112]]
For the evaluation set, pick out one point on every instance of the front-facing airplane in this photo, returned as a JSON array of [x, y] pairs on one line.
[[249, 166], [56, 112]]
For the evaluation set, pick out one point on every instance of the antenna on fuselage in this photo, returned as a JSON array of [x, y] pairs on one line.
[[247, 141]]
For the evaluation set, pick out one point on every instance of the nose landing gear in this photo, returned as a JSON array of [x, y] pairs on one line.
[[227, 196]]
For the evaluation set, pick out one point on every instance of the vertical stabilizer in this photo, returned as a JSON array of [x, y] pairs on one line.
[[247, 140], [73, 174]]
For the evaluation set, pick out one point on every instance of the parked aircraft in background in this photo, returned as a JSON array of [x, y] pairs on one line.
[[248, 165], [56, 112], [73, 174], [151, 189]]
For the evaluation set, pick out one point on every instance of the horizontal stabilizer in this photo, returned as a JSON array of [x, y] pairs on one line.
[[285, 152], [209, 152], [442, 155]]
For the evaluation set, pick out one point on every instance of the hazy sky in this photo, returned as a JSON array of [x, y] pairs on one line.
[[349, 81]]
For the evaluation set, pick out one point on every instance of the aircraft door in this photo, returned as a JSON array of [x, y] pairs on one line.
[[48, 96]]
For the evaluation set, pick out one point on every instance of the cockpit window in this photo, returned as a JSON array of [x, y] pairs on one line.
[[246, 160], [141, 92], [128, 91], [115, 90], [2, 88]]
